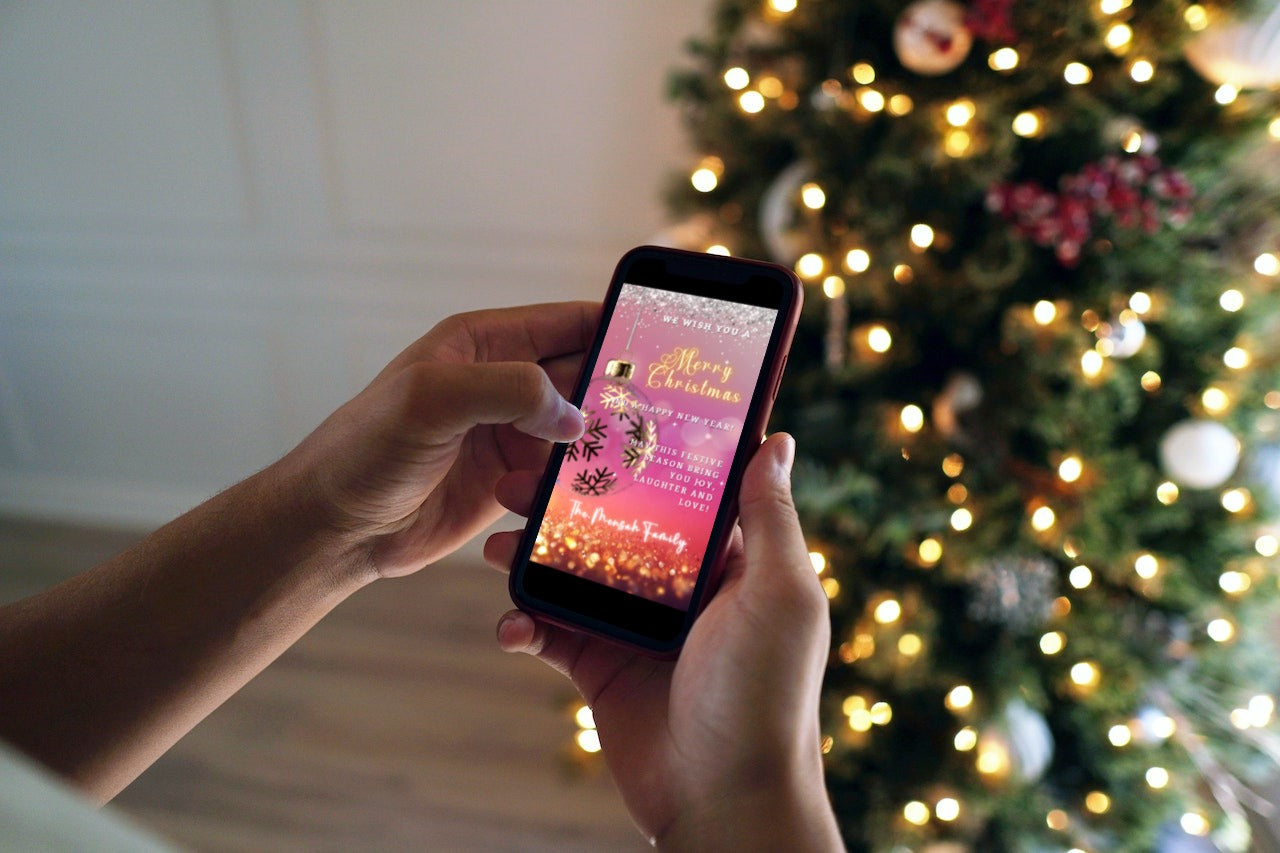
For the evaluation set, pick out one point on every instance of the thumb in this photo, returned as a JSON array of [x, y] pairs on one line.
[[446, 400], [777, 557]]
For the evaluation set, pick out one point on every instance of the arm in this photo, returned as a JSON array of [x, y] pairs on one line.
[[101, 674], [719, 749]]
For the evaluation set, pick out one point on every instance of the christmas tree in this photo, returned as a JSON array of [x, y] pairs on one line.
[[1035, 394]]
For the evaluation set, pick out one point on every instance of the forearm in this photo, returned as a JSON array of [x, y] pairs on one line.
[[796, 818], [101, 674]]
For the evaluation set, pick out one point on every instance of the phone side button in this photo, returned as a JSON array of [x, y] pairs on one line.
[[777, 383]]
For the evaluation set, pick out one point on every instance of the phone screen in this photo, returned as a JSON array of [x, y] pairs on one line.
[[635, 511]]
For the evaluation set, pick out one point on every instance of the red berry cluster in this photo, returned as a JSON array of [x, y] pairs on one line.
[[1133, 192]]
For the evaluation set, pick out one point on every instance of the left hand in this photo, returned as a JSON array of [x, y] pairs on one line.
[[404, 473]]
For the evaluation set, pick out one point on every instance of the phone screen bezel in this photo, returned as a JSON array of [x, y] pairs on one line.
[[581, 603]]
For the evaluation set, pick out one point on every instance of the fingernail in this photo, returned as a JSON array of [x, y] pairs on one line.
[[504, 628], [787, 454], [569, 421]]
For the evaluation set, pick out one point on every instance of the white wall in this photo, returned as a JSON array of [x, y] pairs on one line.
[[218, 219]]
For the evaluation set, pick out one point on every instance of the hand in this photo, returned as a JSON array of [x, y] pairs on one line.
[[720, 748], [404, 473]]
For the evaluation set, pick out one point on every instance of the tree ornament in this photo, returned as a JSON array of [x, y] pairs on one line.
[[1018, 742], [1123, 336], [1014, 591], [1244, 53], [931, 38], [961, 394], [621, 435], [779, 219], [1199, 454]]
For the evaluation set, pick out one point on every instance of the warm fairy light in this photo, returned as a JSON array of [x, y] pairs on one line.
[[903, 274], [833, 286], [1267, 545], [718, 249], [1150, 381], [1080, 577], [1097, 802], [704, 180], [1231, 300], [930, 551], [1118, 36], [1043, 519], [1196, 17], [813, 196], [1162, 726], [957, 493], [900, 105], [819, 561], [993, 759], [1057, 820], [1146, 566], [1132, 142], [1194, 823], [1226, 94], [1235, 500], [1234, 583], [887, 612], [1111, 7], [1274, 128], [863, 74], [1236, 358], [960, 697], [915, 813], [957, 142], [853, 703], [588, 740], [783, 7], [810, 265], [860, 720], [1267, 264], [1053, 642], [1140, 301], [1167, 492], [737, 78], [1091, 363], [1070, 469], [1090, 320], [912, 418], [1157, 777], [1060, 607], [1085, 674], [1142, 71], [966, 739], [857, 260], [751, 101], [961, 520], [1120, 735], [947, 809], [1215, 400], [910, 645], [953, 465], [879, 339], [1044, 312], [921, 236], [1026, 123], [584, 718], [1077, 73], [1261, 708], [831, 587], [881, 714], [960, 113], [1272, 399], [872, 101], [1004, 59], [770, 87], [1220, 630]]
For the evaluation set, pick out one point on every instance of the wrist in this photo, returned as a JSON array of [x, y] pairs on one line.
[[796, 815]]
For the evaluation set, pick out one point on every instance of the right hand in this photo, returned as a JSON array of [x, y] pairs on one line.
[[720, 748]]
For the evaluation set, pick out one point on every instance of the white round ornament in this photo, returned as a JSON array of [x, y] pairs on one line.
[[930, 37], [779, 216], [1199, 454], [1125, 337], [1244, 53], [1022, 736]]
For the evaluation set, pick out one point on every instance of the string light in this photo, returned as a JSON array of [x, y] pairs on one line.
[[1091, 364], [751, 101], [959, 698], [718, 249], [956, 142], [903, 274], [993, 759], [1120, 735], [1167, 492], [1226, 94], [819, 561], [1027, 124], [1215, 400], [1043, 519], [833, 286], [810, 265], [1057, 820], [1070, 469], [1235, 500], [912, 418], [1053, 642], [957, 493], [1097, 802], [953, 465], [900, 105], [1112, 7], [707, 176], [863, 74], [770, 87], [1231, 300], [1220, 630], [1150, 381], [857, 260], [1080, 577], [872, 101], [947, 809], [1044, 312], [960, 113], [1142, 71], [879, 339], [1267, 264], [1077, 73], [916, 813], [1085, 674], [1118, 37], [1157, 777], [1234, 583], [737, 78], [887, 612], [910, 645], [1146, 566], [1196, 17], [1194, 823], [783, 7], [1267, 545], [1140, 301], [1004, 59], [966, 739], [1236, 358], [1272, 399], [961, 520], [831, 587], [1274, 128], [813, 196], [921, 236]]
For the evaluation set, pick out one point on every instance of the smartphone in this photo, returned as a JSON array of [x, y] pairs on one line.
[[632, 521]]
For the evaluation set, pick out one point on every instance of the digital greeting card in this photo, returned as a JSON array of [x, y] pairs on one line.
[[636, 496]]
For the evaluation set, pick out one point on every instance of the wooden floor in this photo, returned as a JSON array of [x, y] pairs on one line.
[[395, 724]]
